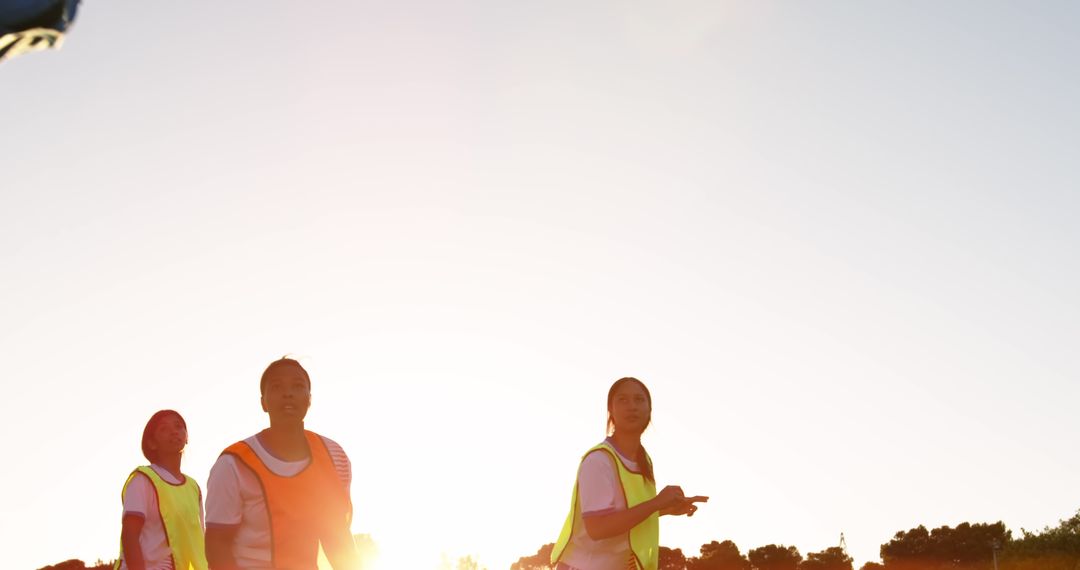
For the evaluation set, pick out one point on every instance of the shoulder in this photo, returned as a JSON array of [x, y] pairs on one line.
[[599, 453], [226, 459], [137, 480], [138, 494], [337, 453], [342, 465], [335, 449], [598, 461], [249, 443], [242, 450], [224, 466], [139, 473]]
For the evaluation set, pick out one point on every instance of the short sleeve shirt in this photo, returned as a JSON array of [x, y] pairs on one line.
[[140, 499], [234, 498], [599, 492]]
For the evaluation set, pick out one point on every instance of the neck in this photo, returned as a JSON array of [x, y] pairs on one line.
[[285, 429], [171, 463], [285, 441], [628, 443]]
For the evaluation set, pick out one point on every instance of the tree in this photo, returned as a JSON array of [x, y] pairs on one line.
[[944, 547], [773, 557], [719, 556], [907, 548], [672, 559], [1056, 548], [872, 566], [539, 561], [833, 558], [75, 564]]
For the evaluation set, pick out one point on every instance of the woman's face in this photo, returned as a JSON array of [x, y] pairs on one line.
[[169, 436], [287, 395], [630, 408]]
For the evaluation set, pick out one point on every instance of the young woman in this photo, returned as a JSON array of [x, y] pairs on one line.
[[614, 513], [162, 525], [274, 498]]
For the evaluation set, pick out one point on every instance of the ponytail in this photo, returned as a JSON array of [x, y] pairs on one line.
[[645, 465]]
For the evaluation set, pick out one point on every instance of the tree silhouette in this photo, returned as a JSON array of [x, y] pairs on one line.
[[719, 556], [539, 561], [944, 547], [75, 564], [1056, 548], [773, 557], [965, 547], [671, 559], [832, 558]]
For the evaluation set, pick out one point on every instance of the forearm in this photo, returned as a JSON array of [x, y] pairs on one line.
[[219, 549], [133, 557], [599, 527], [130, 529]]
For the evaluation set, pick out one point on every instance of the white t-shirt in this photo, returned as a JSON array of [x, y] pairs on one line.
[[234, 498], [140, 499], [599, 492]]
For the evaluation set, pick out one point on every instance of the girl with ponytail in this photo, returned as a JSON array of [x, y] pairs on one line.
[[614, 512]]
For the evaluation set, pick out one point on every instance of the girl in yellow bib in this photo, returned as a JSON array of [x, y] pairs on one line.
[[615, 510], [163, 522]]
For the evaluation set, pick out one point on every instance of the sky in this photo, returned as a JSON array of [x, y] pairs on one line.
[[837, 240]]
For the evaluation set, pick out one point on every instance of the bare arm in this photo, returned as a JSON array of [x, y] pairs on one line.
[[219, 541], [129, 539], [607, 525]]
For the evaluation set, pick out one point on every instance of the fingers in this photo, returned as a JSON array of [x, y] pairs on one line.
[[672, 494], [686, 506], [687, 509]]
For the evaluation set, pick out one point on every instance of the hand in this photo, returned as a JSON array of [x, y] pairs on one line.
[[670, 495], [686, 506]]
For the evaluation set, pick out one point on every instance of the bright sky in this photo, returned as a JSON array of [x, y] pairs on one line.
[[836, 239]]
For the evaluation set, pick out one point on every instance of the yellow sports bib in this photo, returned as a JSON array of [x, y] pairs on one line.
[[178, 506], [645, 537]]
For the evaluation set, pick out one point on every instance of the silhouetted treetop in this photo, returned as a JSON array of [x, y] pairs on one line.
[[775, 557], [719, 556], [833, 558], [539, 561], [671, 559], [944, 547]]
